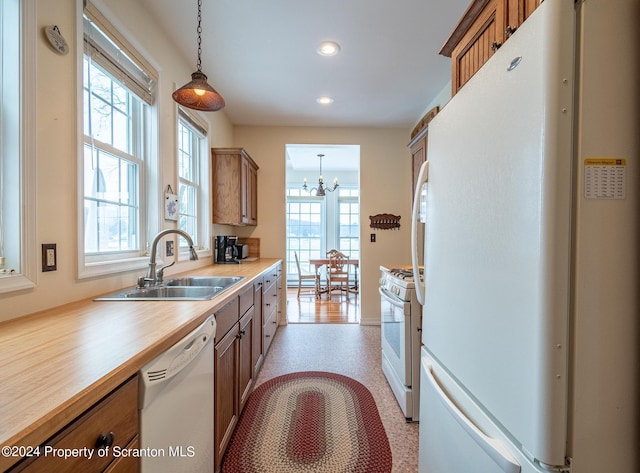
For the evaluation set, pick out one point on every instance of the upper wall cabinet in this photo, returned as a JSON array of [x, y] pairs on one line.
[[485, 26], [234, 181]]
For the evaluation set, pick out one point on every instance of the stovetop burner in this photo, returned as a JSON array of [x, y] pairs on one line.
[[406, 274]]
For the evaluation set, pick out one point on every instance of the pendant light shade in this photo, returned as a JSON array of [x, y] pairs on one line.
[[198, 94]]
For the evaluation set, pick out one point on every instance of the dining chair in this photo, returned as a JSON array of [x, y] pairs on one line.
[[306, 276], [337, 272]]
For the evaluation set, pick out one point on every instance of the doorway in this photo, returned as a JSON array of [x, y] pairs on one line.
[[318, 223]]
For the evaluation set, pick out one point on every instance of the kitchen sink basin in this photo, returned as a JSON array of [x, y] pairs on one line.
[[197, 281], [196, 288]]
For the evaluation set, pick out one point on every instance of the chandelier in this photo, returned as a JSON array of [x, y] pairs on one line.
[[320, 190]]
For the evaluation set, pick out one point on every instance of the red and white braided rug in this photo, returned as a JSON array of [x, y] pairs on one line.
[[309, 421]]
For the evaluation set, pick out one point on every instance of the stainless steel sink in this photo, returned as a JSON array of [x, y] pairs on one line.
[[213, 281], [196, 288]]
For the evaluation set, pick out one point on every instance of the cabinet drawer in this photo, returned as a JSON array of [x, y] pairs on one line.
[[126, 464], [270, 299], [269, 331], [226, 317], [246, 300], [270, 277], [115, 417]]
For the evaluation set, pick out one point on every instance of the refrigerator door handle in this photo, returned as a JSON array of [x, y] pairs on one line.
[[493, 448], [423, 176]]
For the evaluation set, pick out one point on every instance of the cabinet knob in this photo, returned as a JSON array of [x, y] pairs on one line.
[[510, 30], [105, 440], [495, 46]]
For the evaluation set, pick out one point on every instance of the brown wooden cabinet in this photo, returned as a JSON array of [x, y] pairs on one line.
[[234, 371], [418, 147], [112, 422], [258, 351], [484, 27], [234, 181], [270, 307]]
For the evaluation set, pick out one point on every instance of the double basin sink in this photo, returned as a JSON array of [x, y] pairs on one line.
[[194, 288]]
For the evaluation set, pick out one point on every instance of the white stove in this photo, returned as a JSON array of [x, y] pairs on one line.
[[399, 282], [401, 323]]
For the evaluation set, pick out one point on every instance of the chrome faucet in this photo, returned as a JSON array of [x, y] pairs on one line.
[[154, 277]]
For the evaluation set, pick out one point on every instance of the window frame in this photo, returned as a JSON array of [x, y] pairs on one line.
[[26, 275], [200, 141], [90, 265]]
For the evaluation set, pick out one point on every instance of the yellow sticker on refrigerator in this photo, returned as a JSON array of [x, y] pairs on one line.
[[605, 178]]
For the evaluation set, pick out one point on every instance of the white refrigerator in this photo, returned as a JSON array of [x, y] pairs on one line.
[[531, 314]]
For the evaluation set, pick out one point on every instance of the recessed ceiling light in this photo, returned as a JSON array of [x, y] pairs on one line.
[[324, 100], [328, 48]]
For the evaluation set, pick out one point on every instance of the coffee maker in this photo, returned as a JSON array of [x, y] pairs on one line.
[[227, 251]]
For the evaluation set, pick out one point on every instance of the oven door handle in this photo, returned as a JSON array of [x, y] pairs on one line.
[[391, 298]]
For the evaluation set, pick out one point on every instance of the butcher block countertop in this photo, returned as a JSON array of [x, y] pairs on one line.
[[56, 364]]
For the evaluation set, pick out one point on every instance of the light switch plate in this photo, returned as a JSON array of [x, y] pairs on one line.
[[49, 257]]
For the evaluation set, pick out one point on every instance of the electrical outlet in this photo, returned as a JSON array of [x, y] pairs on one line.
[[49, 257]]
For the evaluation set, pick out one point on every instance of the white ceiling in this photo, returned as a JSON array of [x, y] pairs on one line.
[[261, 56]]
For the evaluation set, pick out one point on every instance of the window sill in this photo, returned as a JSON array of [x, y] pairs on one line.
[[12, 282], [105, 268]]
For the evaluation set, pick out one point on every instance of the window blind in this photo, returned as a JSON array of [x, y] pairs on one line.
[[195, 124], [108, 48]]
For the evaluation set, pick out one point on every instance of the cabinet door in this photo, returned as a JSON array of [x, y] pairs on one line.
[[256, 349], [245, 198], [226, 187], [479, 43], [253, 192], [515, 13], [226, 392], [249, 194], [245, 363], [418, 156]]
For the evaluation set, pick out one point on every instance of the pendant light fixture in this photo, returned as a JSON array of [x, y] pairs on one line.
[[198, 94], [320, 190]]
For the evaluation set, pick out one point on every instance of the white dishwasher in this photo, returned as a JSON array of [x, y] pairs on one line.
[[176, 406]]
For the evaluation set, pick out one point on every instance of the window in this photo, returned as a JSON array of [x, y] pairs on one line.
[[113, 164], [317, 224], [305, 234], [117, 94], [349, 222], [192, 168], [17, 161]]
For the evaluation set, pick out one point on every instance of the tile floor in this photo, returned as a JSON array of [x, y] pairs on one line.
[[352, 350]]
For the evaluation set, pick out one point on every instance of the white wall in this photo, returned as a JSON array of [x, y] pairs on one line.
[[56, 148], [385, 187]]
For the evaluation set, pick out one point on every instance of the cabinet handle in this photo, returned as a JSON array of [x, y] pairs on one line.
[[267, 336], [495, 46], [510, 30], [274, 322], [104, 441]]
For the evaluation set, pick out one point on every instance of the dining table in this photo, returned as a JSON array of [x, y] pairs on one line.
[[320, 262]]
